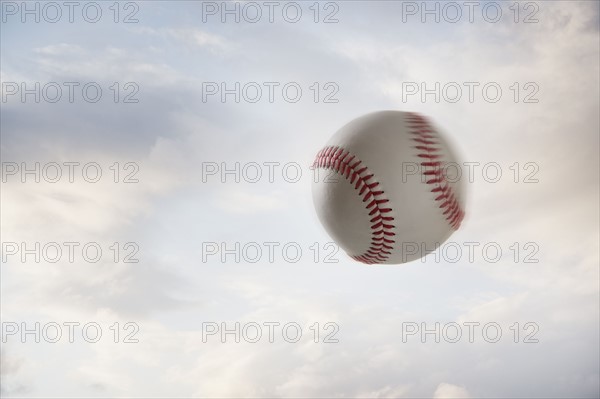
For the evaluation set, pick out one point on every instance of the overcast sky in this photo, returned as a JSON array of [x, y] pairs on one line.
[[173, 132]]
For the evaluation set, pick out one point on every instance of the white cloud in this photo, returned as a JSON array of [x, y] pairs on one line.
[[449, 391], [386, 392], [238, 201], [189, 36], [60, 49]]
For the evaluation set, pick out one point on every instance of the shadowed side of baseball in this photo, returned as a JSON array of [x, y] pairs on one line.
[[381, 191]]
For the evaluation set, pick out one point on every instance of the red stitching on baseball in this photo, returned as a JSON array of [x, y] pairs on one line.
[[426, 137], [345, 164]]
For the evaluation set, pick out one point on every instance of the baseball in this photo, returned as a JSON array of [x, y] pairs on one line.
[[381, 190]]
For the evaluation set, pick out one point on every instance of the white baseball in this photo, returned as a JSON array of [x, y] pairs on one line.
[[381, 190]]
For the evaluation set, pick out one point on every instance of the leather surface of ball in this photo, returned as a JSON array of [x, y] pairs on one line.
[[382, 190]]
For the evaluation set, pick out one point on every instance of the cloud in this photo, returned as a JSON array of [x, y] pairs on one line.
[[10, 367], [192, 37], [60, 49], [448, 391], [237, 201], [386, 392], [107, 63]]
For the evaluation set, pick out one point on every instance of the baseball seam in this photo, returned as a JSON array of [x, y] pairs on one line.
[[345, 164], [431, 163]]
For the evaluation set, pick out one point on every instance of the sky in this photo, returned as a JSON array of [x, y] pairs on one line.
[[170, 205]]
